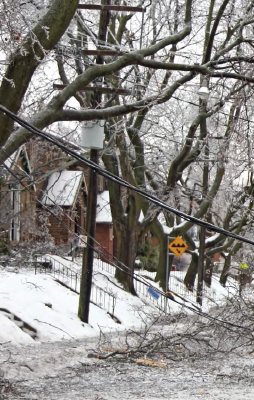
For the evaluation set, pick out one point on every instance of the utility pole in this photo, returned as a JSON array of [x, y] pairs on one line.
[[88, 255]]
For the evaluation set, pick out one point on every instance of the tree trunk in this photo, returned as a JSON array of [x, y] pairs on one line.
[[224, 274], [125, 210], [157, 230], [44, 36], [208, 271], [190, 276], [126, 254]]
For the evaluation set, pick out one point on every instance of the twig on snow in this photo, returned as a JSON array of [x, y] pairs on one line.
[[47, 323]]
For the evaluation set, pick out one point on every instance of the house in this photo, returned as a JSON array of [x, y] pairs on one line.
[[53, 197], [18, 204], [64, 196]]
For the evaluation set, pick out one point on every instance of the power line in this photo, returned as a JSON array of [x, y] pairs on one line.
[[122, 182], [228, 325], [106, 254], [193, 308], [128, 270], [140, 279]]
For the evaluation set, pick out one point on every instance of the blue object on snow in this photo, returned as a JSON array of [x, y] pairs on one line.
[[153, 293]]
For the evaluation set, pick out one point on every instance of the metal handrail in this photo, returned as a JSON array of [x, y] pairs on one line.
[[162, 303], [71, 279]]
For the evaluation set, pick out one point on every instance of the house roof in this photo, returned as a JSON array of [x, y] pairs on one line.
[[18, 161], [103, 214], [62, 188], [12, 160]]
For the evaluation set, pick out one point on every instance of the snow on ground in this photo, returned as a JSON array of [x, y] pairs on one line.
[[51, 309], [56, 366]]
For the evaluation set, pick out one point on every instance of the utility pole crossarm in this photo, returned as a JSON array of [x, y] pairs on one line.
[[102, 52], [98, 89], [104, 7]]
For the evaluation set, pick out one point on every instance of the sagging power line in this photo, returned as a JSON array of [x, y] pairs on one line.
[[106, 254], [122, 182], [228, 325]]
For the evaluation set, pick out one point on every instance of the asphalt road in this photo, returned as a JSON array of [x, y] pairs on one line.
[[63, 371]]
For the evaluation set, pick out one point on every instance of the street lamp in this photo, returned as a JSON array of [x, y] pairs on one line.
[[203, 91]]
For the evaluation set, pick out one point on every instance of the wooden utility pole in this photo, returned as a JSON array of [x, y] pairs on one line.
[[88, 256]]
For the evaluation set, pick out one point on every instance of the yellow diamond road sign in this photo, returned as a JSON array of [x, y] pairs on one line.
[[178, 246]]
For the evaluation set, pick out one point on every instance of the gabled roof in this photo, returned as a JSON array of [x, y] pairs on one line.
[[62, 188], [13, 159], [18, 162]]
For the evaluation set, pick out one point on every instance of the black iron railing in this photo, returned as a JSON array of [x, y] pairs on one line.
[[50, 265]]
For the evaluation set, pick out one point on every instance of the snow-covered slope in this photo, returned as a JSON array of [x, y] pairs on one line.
[[37, 308]]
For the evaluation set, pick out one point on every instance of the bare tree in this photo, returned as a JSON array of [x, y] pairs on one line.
[[161, 58]]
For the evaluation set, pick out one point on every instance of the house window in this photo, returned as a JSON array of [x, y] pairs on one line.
[[15, 216]]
